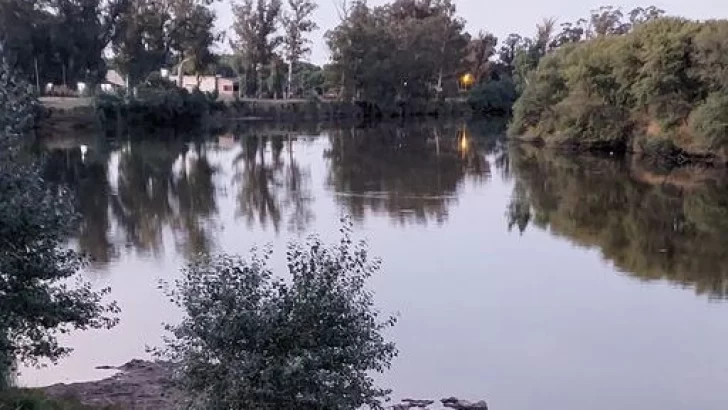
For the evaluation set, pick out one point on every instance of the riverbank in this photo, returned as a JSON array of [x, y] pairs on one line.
[[61, 116], [652, 90], [139, 385], [144, 385]]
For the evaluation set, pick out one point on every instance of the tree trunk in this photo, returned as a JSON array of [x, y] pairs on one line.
[[439, 83], [342, 90], [290, 79], [259, 74], [37, 77]]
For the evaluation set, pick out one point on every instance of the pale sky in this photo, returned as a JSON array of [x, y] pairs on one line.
[[504, 17]]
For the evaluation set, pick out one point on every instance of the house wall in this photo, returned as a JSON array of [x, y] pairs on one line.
[[228, 86], [208, 84]]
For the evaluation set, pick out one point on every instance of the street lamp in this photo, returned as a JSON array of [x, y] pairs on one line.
[[467, 80]]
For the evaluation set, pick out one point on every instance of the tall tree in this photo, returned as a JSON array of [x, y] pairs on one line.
[[608, 20], [255, 27], [296, 24], [398, 52], [153, 33], [60, 41], [507, 52], [480, 50], [545, 32], [191, 33], [139, 43]]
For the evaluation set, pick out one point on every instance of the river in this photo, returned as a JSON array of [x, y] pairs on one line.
[[531, 280]]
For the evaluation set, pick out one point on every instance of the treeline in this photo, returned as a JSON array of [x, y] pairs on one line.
[[401, 51], [615, 80], [646, 86], [65, 41]]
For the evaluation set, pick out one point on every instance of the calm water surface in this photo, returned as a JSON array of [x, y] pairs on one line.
[[530, 280]]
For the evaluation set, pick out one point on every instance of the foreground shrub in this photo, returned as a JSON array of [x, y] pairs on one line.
[[36, 299], [17, 103], [306, 341], [17, 399]]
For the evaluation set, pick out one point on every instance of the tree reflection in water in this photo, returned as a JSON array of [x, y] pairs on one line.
[[411, 174], [133, 195], [273, 186], [672, 226], [89, 177], [139, 191]]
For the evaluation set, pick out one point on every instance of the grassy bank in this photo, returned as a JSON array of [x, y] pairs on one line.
[[29, 399], [179, 109], [659, 89]]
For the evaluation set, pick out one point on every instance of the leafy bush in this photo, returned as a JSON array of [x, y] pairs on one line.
[[159, 102], [493, 97], [709, 122], [590, 123], [17, 103], [16, 399], [531, 112], [308, 341]]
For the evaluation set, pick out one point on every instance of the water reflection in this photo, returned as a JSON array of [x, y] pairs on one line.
[[130, 195], [651, 225], [411, 174], [134, 194], [272, 187]]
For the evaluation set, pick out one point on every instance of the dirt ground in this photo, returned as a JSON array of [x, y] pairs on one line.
[[139, 385]]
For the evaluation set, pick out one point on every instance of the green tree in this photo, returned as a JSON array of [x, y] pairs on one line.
[[311, 341], [255, 27], [151, 34], [479, 54], [297, 24], [655, 88], [36, 300], [191, 33], [139, 42], [508, 51], [58, 41], [398, 53]]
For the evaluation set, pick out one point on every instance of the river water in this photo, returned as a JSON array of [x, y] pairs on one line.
[[528, 279]]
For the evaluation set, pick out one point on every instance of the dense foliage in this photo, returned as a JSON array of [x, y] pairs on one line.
[[28, 399], [659, 86], [58, 41], [307, 341], [494, 97], [36, 299], [159, 103], [402, 51]]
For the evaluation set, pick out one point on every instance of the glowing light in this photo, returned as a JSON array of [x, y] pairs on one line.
[[467, 80], [464, 144]]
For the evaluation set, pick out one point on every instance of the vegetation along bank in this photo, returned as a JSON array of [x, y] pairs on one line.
[[657, 87]]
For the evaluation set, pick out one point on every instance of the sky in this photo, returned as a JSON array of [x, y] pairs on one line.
[[504, 17]]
